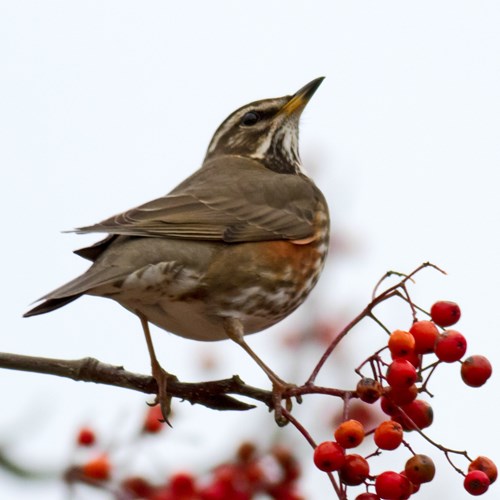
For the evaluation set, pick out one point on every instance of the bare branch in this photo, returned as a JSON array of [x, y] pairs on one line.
[[212, 394]]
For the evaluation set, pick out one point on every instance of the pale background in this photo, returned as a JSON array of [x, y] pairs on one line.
[[105, 105]]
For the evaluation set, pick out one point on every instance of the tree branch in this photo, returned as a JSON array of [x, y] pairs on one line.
[[212, 394]]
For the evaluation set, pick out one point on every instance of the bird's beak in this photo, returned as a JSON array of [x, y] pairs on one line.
[[299, 100]]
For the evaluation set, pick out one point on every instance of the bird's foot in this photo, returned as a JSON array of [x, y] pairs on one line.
[[280, 388], [163, 398]]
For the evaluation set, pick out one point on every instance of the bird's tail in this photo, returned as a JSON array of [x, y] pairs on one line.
[[50, 305]]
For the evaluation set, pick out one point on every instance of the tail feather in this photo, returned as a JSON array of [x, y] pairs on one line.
[[50, 305]]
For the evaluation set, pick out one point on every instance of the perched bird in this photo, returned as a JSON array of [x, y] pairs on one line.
[[232, 250]]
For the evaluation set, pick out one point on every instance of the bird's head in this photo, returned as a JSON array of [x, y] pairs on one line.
[[266, 130]]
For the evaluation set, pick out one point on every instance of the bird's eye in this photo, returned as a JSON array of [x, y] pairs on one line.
[[250, 118]]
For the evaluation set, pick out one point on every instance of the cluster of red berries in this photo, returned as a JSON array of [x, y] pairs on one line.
[[397, 385], [249, 475]]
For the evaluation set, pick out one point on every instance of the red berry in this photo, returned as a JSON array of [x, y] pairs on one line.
[[476, 482], [329, 456], [450, 346], [419, 413], [388, 435], [476, 370], [402, 395], [153, 421], [425, 334], [182, 484], [350, 434], [86, 437], [414, 358], [414, 487], [401, 343], [487, 466], [367, 496], [388, 406], [392, 486], [355, 470], [401, 373], [445, 313], [98, 468], [420, 469], [137, 487]]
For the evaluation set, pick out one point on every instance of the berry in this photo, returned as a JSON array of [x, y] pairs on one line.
[[450, 346], [392, 486], [420, 469], [388, 406], [388, 435], [329, 456], [476, 370], [355, 470], [137, 487], [401, 343], [487, 466], [286, 460], [367, 496], [445, 313], [402, 395], [153, 421], [86, 437], [425, 334], [414, 358], [413, 486], [476, 482], [350, 434], [369, 390], [418, 413], [182, 484], [98, 468], [401, 373], [246, 452]]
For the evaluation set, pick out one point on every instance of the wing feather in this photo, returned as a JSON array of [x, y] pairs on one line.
[[231, 199]]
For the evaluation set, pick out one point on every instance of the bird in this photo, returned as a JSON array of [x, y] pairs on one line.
[[232, 250]]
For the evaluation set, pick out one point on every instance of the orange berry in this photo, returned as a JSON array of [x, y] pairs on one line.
[[350, 433], [388, 435], [98, 468], [246, 452], [425, 334], [486, 465], [401, 343]]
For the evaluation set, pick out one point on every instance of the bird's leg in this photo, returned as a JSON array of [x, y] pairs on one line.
[[159, 374], [234, 331]]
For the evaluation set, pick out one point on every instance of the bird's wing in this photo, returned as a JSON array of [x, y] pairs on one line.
[[231, 199]]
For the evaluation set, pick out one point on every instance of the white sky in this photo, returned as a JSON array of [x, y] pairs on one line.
[[105, 105]]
